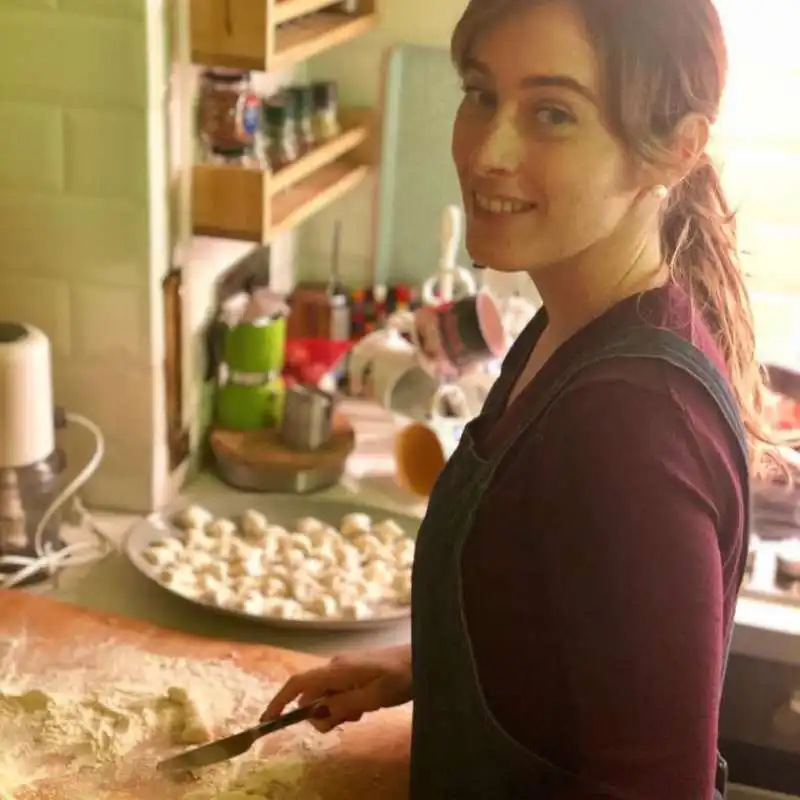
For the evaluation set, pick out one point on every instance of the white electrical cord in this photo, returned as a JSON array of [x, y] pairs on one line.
[[71, 555]]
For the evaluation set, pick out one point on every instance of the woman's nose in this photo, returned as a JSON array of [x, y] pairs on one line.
[[502, 149]]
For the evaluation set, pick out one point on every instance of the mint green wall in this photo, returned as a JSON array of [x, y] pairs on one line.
[[74, 230]]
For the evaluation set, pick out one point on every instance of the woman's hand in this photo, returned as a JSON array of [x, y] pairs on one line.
[[351, 684]]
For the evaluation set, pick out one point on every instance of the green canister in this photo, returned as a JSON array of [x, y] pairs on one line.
[[245, 406], [256, 347]]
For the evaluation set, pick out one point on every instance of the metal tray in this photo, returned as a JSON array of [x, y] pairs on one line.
[[281, 510]]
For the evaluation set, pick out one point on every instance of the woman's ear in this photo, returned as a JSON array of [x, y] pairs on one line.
[[689, 142], [680, 155]]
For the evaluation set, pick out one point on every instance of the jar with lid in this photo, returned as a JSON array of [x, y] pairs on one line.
[[228, 113], [281, 141], [300, 105], [325, 121]]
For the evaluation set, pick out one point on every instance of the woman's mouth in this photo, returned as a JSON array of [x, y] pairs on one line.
[[489, 204]]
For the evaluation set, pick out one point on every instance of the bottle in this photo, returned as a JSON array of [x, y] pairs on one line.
[[300, 106], [325, 119], [281, 142], [339, 325]]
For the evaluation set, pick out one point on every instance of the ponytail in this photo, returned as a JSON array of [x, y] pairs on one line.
[[698, 239]]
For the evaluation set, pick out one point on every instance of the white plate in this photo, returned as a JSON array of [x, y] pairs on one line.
[[279, 510]]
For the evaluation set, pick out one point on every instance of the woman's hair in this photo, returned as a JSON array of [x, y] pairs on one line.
[[663, 60]]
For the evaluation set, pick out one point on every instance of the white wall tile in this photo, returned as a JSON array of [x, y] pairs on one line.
[[124, 480], [117, 396], [111, 322], [43, 302]]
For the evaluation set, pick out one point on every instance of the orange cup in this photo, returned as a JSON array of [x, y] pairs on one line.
[[421, 449]]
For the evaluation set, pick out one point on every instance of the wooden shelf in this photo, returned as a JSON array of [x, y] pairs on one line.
[[355, 134], [269, 35], [287, 10], [310, 36], [237, 202], [300, 202]]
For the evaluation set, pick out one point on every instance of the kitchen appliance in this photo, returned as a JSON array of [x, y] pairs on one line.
[[250, 389], [31, 497]]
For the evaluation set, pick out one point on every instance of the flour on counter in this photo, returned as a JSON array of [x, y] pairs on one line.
[[101, 728]]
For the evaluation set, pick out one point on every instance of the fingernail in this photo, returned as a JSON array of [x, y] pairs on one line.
[[321, 712]]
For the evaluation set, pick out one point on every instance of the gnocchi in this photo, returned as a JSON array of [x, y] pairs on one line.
[[308, 571]]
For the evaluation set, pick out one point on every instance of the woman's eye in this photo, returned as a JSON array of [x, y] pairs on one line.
[[478, 97], [553, 116]]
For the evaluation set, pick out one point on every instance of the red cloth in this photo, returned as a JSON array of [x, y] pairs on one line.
[[603, 564]]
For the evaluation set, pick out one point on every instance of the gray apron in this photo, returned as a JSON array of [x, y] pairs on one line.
[[458, 749]]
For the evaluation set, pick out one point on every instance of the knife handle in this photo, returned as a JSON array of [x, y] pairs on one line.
[[285, 720]]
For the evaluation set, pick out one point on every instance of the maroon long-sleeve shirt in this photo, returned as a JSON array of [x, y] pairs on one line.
[[603, 563]]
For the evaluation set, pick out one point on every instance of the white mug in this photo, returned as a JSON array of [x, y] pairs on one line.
[[421, 449], [377, 363], [475, 387]]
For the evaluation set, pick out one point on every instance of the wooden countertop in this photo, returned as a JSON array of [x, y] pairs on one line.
[[370, 759]]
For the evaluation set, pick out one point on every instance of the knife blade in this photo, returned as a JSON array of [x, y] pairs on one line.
[[232, 746]]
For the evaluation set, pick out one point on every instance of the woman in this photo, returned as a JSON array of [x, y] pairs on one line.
[[578, 566]]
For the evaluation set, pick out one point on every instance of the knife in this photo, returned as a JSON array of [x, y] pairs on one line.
[[232, 746]]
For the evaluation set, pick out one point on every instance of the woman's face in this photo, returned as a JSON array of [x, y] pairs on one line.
[[542, 177]]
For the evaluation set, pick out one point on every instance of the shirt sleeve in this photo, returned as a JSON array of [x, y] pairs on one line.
[[635, 579]]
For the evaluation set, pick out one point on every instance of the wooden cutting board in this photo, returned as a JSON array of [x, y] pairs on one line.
[[370, 759]]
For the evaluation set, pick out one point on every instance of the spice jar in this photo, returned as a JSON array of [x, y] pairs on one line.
[[230, 155], [281, 142], [300, 105], [325, 123], [228, 111]]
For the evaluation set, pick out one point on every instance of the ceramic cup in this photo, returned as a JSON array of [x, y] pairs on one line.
[[378, 363], [453, 337], [475, 387], [421, 449]]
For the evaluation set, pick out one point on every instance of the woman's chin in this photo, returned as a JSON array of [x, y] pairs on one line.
[[498, 260], [497, 252]]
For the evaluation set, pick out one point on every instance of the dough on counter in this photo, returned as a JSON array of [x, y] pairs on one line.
[[388, 532], [323, 605], [308, 525], [27, 702], [193, 517], [404, 550], [301, 542], [371, 548], [357, 610], [379, 572], [279, 778], [402, 585], [284, 608], [347, 556], [191, 725], [353, 525], [254, 523], [274, 587], [196, 539], [159, 556], [221, 528]]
